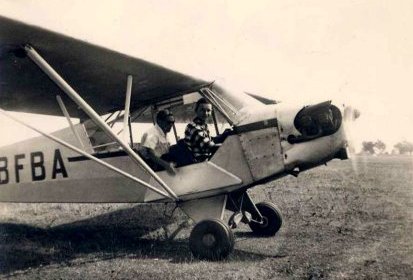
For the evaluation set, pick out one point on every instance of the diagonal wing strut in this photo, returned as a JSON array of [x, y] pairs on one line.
[[62, 84], [99, 161]]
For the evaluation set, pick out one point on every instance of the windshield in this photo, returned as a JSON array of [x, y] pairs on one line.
[[235, 105]]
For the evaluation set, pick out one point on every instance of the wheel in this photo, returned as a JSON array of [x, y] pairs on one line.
[[272, 220], [211, 240]]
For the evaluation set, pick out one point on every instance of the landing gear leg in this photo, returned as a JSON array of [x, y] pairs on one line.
[[271, 220], [264, 218]]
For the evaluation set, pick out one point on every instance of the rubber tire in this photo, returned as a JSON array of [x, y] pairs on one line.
[[273, 219], [223, 240]]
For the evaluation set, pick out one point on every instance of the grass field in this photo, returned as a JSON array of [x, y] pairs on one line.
[[338, 224]]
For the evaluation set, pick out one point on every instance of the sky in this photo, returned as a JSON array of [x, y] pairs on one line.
[[296, 51]]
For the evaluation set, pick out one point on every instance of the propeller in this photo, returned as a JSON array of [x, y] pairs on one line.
[[349, 117]]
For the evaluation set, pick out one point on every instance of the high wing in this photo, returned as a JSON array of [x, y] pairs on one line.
[[96, 73]]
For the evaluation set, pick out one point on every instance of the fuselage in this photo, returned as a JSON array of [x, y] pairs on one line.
[[41, 170]]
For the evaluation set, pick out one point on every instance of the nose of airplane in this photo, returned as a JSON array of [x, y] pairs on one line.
[[315, 134]]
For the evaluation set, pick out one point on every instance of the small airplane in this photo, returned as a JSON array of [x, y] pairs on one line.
[[47, 73]]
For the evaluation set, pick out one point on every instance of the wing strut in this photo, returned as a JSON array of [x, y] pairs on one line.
[[83, 153], [66, 113], [63, 85], [127, 106]]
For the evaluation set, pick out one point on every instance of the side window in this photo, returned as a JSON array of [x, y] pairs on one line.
[[218, 123], [99, 140]]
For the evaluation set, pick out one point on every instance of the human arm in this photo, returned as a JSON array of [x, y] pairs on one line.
[[149, 144], [150, 154], [219, 139]]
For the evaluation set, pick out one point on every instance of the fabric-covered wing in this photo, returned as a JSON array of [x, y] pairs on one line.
[[97, 74]]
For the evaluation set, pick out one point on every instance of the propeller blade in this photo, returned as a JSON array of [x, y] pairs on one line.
[[349, 117]]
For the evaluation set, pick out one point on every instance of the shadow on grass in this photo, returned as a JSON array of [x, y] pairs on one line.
[[121, 233], [110, 235]]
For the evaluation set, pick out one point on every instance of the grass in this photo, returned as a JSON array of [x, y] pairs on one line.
[[338, 224]]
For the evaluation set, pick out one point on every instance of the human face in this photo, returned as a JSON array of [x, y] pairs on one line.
[[204, 111], [166, 126]]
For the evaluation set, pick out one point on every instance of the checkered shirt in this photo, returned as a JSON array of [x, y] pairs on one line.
[[198, 140]]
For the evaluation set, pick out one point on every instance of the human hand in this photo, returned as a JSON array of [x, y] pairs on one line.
[[171, 168]]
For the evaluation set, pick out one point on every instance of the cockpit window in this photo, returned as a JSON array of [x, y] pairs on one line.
[[234, 105]]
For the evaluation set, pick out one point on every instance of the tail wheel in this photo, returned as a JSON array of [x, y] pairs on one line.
[[211, 240], [272, 220]]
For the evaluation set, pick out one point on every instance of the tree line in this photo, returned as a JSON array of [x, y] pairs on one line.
[[379, 147]]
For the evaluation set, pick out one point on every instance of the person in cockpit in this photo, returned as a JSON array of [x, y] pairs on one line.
[[198, 145], [197, 136], [155, 145]]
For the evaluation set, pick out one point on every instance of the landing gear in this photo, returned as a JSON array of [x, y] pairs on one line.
[[271, 220], [264, 218], [211, 240]]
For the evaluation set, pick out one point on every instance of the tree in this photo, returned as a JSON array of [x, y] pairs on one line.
[[371, 148], [380, 146], [368, 147], [404, 147]]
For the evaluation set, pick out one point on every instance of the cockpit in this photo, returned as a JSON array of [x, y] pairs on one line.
[[229, 109], [235, 115]]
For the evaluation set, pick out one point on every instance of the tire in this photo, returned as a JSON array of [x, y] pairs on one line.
[[272, 220], [211, 240]]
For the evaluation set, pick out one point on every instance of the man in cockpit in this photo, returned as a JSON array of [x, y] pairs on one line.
[[197, 136], [155, 145]]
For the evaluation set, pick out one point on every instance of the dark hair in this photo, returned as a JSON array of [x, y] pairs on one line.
[[200, 101], [165, 116]]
